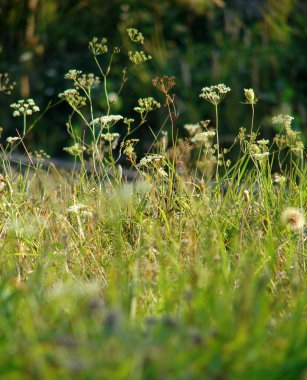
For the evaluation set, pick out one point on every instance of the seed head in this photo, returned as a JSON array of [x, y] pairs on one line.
[[294, 218]]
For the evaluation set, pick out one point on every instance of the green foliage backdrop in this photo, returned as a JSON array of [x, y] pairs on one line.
[[258, 44]]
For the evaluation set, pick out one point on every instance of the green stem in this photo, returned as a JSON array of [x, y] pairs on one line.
[[252, 125], [24, 124], [217, 142]]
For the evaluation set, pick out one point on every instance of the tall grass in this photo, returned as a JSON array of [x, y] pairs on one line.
[[195, 269]]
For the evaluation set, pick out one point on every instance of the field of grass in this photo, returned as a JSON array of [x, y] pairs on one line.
[[195, 269]]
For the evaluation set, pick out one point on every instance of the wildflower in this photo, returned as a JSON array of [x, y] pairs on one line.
[[107, 119], [260, 156], [192, 128], [98, 48], [285, 120], [263, 142], [73, 98], [129, 150], [24, 107], [128, 121], [151, 159], [203, 136], [147, 105], [162, 172], [87, 81], [135, 35], [250, 96], [6, 86], [77, 208], [75, 150], [292, 139], [112, 96], [41, 155], [11, 140], [293, 218], [280, 179], [138, 57], [215, 94], [73, 74], [164, 84], [128, 146], [110, 136]]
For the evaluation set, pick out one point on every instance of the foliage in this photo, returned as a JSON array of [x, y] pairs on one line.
[[186, 266]]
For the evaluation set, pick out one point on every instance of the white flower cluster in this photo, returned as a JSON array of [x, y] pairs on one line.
[[203, 137], [263, 142], [214, 94], [107, 119], [24, 107], [260, 151], [110, 136], [73, 98], [11, 140], [260, 156], [151, 159], [291, 139], [278, 178], [285, 120], [192, 128], [79, 208], [162, 173], [73, 74]]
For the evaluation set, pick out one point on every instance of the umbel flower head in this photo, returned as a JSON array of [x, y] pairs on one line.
[[73, 98], [214, 94], [75, 150], [24, 107], [135, 35], [293, 218], [106, 119]]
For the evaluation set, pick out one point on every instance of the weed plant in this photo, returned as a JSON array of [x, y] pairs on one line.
[[193, 269]]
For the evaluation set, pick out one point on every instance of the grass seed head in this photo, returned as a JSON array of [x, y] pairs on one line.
[[293, 218]]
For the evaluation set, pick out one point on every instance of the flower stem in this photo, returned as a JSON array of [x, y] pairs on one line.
[[24, 124], [217, 142], [252, 125]]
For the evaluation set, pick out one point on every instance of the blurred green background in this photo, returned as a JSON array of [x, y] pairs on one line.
[[242, 43]]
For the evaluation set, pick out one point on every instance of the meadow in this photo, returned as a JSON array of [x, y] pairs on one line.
[[186, 262]]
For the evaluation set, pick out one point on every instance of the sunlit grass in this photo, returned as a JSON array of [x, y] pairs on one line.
[[196, 269]]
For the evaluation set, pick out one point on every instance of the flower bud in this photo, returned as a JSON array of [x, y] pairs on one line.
[[250, 95]]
